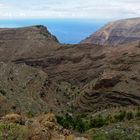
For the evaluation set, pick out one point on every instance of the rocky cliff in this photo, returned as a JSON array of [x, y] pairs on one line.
[[114, 33], [24, 42]]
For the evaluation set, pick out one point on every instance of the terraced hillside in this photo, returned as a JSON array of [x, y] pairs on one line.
[[99, 77], [117, 84]]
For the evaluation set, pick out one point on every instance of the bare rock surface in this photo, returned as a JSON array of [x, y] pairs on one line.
[[115, 33]]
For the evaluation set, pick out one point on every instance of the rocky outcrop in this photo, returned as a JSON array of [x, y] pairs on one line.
[[116, 85], [43, 127], [22, 42], [115, 33]]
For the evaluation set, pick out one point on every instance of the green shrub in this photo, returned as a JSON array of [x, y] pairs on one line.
[[100, 136], [30, 114], [74, 123], [121, 116], [110, 119], [80, 126], [11, 131], [97, 122], [3, 92], [81, 123], [129, 115], [138, 114]]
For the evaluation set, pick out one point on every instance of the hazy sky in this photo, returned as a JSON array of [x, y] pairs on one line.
[[94, 9]]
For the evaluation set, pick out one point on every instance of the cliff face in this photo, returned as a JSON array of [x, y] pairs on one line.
[[23, 42], [115, 33]]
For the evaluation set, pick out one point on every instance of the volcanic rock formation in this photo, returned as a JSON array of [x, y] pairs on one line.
[[115, 33]]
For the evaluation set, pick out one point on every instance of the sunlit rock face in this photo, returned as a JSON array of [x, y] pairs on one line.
[[114, 33]]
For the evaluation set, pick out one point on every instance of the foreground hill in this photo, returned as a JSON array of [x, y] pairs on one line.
[[118, 32], [43, 127], [121, 131]]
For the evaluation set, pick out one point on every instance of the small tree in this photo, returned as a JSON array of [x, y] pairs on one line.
[[110, 119], [129, 115], [121, 116], [80, 126], [97, 122], [138, 112]]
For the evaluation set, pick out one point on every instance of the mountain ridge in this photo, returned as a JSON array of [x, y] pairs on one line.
[[116, 33], [21, 42]]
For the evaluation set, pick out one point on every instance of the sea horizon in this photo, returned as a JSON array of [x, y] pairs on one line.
[[68, 31]]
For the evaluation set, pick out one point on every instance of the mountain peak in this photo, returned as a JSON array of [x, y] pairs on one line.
[[115, 33]]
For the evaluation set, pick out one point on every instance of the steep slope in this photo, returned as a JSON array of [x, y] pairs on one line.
[[19, 89], [114, 33], [24, 42], [27, 90]]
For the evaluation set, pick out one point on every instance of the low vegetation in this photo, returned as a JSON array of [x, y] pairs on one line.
[[13, 131], [115, 134], [81, 123]]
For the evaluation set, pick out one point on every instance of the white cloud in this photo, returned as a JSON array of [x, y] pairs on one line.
[[95, 9]]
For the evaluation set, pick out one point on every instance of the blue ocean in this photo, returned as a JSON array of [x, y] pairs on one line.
[[67, 31]]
